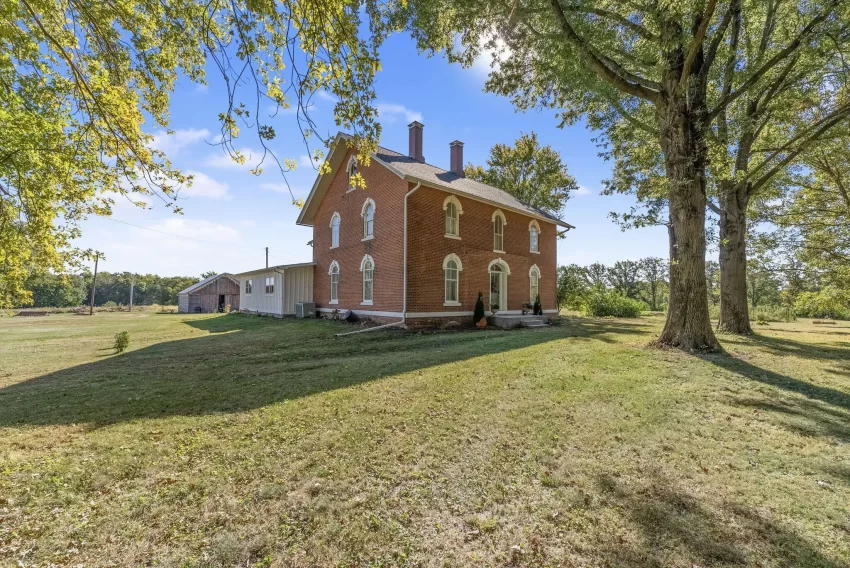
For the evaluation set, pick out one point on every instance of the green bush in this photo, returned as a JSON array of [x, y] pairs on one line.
[[603, 303], [764, 314], [830, 302], [122, 341]]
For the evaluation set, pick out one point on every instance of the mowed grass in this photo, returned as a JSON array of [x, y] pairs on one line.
[[234, 440]]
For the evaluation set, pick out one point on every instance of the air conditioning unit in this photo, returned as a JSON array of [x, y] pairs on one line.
[[305, 310]]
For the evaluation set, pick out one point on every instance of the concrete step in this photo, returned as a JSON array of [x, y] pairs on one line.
[[537, 324]]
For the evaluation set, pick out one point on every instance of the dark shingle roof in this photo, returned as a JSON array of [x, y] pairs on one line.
[[432, 175], [204, 282]]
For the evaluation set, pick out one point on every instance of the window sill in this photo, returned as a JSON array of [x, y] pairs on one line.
[[499, 251], [366, 303], [350, 189], [333, 302], [336, 247], [364, 239], [451, 304], [456, 237], [534, 251]]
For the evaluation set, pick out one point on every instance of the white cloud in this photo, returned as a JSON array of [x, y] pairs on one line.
[[306, 162], [197, 229], [584, 190], [391, 112], [222, 159], [278, 187], [174, 143], [205, 186], [326, 96]]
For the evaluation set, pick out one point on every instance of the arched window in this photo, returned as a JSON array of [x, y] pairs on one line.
[[534, 282], [534, 236], [367, 267], [333, 271], [352, 173], [451, 270], [335, 220], [368, 213], [499, 231], [453, 210]]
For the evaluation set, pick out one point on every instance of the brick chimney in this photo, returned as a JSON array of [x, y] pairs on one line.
[[415, 151], [456, 155]]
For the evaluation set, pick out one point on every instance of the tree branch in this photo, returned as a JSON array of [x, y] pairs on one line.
[[599, 67], [696, 43], [771, 63]]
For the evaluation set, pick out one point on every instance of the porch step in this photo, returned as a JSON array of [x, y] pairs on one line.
[[508, 321]]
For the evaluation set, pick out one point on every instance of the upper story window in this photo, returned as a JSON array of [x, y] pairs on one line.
[[269, 284], [335, 220], [451, 271], [368, 213], [499, 223], [534, 236], [367, 267], [249, 285], [534, 283], [333, 271], [453, 210], [352, 173]]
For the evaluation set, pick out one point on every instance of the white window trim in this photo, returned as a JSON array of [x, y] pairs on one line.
[[330, 273], [363, 300], [456, 202], [456, 258], [539, 276], [352, 159], [266, 286], [534, 224], [498, 213], [368, 201], [336, 215], [505, 272], [250, 286]]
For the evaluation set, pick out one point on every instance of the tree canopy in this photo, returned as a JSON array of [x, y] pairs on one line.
[[530, 172], [82, 81]]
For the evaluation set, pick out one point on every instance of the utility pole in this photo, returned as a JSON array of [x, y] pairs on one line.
[[267, 257], [132, 285], [93, 284]]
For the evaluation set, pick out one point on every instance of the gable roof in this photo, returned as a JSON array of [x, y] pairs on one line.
[[418, 172], [206, 281]]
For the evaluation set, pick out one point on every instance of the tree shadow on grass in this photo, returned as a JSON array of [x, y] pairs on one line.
[[244, 362], [784, 346], [805, 417], [673, 523], [751, 372]]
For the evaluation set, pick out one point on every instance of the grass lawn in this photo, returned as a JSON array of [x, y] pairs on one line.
[[234, 440]]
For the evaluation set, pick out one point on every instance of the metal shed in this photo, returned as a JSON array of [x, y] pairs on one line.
[[210, 295]]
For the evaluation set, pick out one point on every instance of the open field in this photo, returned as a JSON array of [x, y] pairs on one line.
[[233, 440]]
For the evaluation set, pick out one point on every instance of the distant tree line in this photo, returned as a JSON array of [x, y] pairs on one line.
[[69, 290], [644, 280]]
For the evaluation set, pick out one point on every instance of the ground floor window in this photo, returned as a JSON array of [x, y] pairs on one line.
[[249, 285], [334, 273], [269, 284], [367, 267], [534, 283]]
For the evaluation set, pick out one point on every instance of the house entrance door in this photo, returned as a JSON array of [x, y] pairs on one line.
[[497, 287]]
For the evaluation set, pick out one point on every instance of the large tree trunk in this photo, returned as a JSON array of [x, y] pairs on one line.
[[734, 312], [688, 325]]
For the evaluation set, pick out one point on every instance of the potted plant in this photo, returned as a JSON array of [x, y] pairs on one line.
[[538, 309], [527, 307], [494, 308], [478, 315]]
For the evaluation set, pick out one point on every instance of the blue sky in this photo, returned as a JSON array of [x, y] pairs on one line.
[[237, 214]]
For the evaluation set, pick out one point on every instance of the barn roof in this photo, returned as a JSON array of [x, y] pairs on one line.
[[206, 281]]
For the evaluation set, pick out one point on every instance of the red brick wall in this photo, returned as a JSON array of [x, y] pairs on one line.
[[428, 246], [387, 190]]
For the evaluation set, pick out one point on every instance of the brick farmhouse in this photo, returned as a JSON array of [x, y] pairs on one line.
[[418, 243]]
